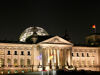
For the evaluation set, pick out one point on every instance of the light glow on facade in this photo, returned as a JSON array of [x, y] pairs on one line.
[[50, 54]]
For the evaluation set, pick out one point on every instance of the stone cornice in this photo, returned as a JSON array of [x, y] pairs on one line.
[[15, 48]]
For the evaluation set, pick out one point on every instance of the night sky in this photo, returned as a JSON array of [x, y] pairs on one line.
[[54, 16]]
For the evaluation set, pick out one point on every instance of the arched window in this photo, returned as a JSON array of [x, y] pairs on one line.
[[28, 53], [72, 54], [15, 52], [22, 62], [8, 52], [28, 62], [87, 54], [1, 62], [15, 62], [82, 54], [22, 52], [9, 62], [77, 54]]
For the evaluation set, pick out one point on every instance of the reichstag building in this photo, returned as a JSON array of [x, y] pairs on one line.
[[37, 50]]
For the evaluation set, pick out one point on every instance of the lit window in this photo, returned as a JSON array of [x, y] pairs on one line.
[[93, 62], [28, 62], [29, 70], [28, 52], [22, 62], [9, 62], [15, 63], [22, 52], [1, 62], [8, 52], [15, 53], [9, 71], [2, 72], [16, 71], [22, 71]]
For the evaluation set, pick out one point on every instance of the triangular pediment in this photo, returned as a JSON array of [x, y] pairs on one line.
[[56, 40]]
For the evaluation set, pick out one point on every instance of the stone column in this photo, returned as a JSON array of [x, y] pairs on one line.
[[69, 57], [51, 54], [97, 58], [18, 60], [25, 59], [56, 58], [64, 54], [53, 58], [47, 59], [50, 62], [12, 59], [60, 58], [32, 57], [48, 56], [85, 55], [45, 56], [63, 60], [66, 58], [36, 62], [5, 60]]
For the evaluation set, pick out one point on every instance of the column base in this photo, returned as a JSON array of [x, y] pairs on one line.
[[47, 68], [53, 67], [35, 68], [69, 67], [60, 67]]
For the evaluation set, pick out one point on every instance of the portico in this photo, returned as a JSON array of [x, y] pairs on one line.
[[56, 53]]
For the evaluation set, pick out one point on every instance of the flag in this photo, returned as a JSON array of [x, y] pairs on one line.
[[93, 26], [50, 57]]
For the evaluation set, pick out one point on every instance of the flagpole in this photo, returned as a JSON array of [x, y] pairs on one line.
[[95, 29]]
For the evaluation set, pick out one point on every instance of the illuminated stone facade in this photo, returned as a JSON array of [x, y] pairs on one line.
[[86, 58], [53, 53]]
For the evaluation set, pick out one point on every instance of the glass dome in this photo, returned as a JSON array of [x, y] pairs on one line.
[[30, 31]]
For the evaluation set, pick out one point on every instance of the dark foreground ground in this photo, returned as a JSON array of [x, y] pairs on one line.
[[62, 72]]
